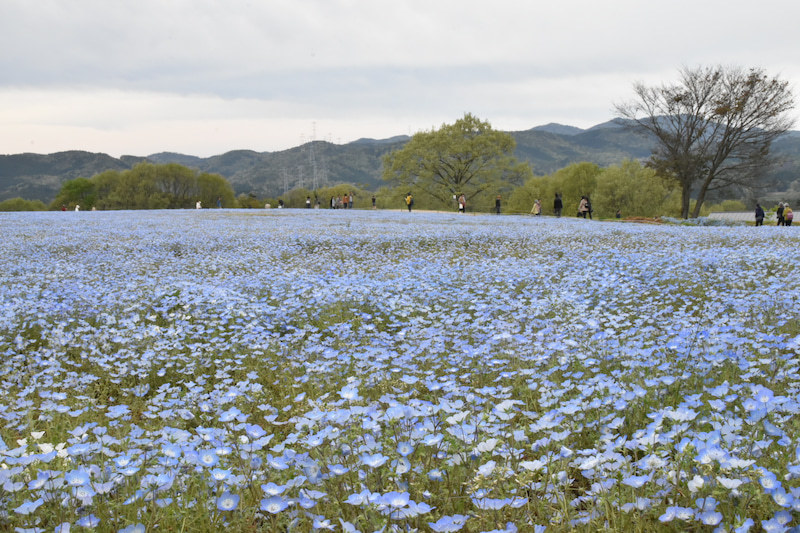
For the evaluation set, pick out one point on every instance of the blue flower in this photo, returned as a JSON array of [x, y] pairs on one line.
[[227, 501], [76, 478], [373, 460], [636, 481], [448, 524], [208, 458], [29, 506], [90, 521], [405, 448], [274, 504]]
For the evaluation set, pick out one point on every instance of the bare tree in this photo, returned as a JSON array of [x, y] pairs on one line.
[[713, 129]]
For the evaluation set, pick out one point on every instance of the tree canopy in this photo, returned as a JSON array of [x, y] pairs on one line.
[[467, 157], [146, 186], [713, 128]]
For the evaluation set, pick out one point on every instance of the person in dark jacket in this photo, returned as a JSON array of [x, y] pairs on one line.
[[558, 205], [759, 215], [779, 213]]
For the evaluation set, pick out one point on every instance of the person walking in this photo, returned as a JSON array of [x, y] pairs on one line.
[[558, 205], [759, 215], [583, 207], [788, 215], [409, 201], [462, 204], [497, 204], [779, 214], [537, 208]]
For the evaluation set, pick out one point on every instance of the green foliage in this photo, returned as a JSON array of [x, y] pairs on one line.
[[20, 204], [635, 191], [146, 186], [728, 205], [467, 157], [80, 192], [572, 182], [632, 189]]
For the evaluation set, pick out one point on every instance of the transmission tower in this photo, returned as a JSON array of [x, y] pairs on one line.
[[312, 157]]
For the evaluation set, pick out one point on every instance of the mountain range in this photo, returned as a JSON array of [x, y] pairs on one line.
[[319, 163]]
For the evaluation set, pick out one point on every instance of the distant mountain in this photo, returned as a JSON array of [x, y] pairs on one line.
[[558, 129], [39, 177], [547, 148]]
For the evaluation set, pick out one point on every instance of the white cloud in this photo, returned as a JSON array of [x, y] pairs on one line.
[[201, 76]]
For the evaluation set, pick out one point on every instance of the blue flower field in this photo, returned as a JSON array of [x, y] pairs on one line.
[[305, 370]]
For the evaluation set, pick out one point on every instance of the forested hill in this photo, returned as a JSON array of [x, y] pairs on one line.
[[548, 148]]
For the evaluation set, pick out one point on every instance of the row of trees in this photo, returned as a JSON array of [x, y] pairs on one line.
[[146, 186], [713, 129]]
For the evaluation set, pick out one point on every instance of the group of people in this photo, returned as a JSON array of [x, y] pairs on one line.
[[342, 202], [584, 207], [784, 214]]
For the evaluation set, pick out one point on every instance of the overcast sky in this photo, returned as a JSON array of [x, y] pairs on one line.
[[202, 77]]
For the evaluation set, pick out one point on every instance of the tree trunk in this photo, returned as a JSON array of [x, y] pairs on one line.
[[701, 196], [686, 198]]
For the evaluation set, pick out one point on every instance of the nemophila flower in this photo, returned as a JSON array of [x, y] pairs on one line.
[[117, 411], [495, 504], [89, 521], [84, 493], [782, 498], [768, 480], [373, 460], [321, 523], [63, 527], [230, 415], [487, 468], [29, 506], [274, 504], [208, 458], [413, 509], [122, 460], [348, 527], [449, 523], [639, 504], [773, 525], [402, 466], [350, 393], [744, 526], [405, 448], [76, 478], [227, 501], [676, 512], [729, 483], [172, 451], [394, 499], [711, 454], [636, 481], [338, 469], [254, 431], [696, 483], [277, 463]]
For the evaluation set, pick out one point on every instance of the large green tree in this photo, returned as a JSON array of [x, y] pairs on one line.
[[467, 157], [713, 128], [78, 191], [147, 186]]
